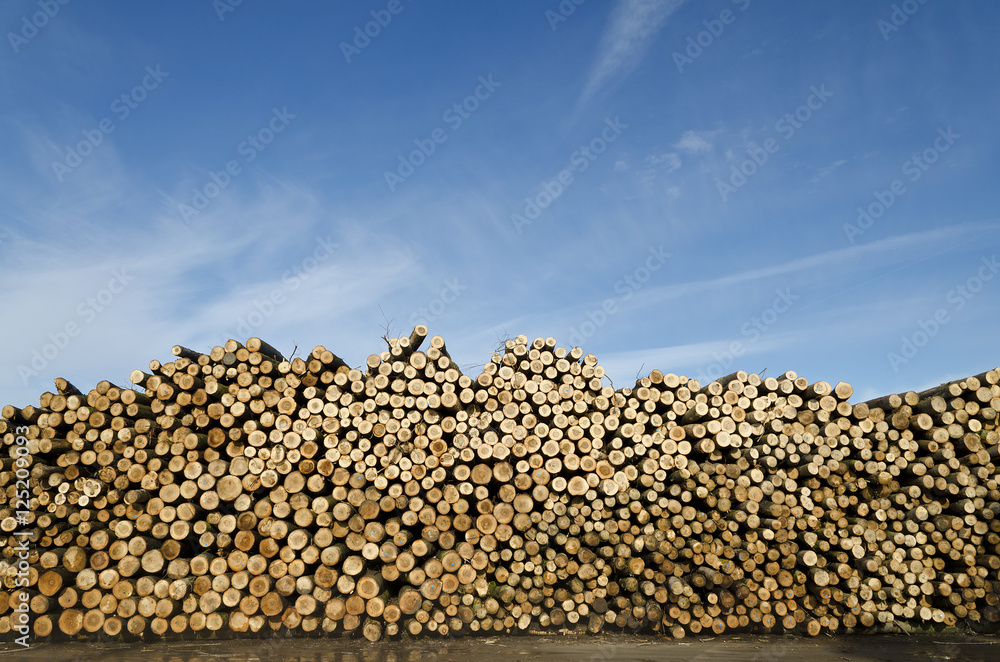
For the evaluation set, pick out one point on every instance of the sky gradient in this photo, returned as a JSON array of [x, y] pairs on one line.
[[697, 187]]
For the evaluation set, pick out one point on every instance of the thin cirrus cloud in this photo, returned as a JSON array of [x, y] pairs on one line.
[[668, 161], [191, 283], [826, 315], [692, 143], [696, 142], [633, 26], [687, 358], [818, 266]]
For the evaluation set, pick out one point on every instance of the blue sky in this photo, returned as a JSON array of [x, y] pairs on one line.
[[698, 187]]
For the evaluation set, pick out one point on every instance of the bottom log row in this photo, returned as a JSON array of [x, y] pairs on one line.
[[237, 491]]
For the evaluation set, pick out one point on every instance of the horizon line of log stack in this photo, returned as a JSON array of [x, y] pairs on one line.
[[237, 491]]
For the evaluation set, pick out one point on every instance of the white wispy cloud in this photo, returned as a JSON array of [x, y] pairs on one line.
[[828, 170], [669, 161], [897, 246], [197, 293], [688, 359], [696, 142], [188, 284], [632, 27], [658, 164]]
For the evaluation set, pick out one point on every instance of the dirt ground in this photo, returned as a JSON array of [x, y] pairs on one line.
[[605, 648]]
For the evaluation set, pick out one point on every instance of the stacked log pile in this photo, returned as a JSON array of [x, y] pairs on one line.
[[240, 492]]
